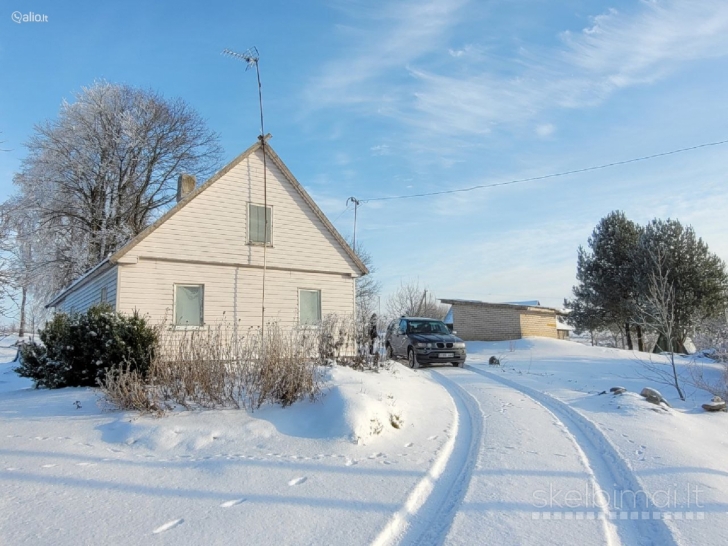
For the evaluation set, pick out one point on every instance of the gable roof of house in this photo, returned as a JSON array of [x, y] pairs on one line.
[[114, 258], [83, 279]]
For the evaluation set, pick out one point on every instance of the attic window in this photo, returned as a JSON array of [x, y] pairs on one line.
[[189, 304], [257, 232]]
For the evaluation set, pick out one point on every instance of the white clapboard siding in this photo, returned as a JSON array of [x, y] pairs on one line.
[[89, 292], [213, 227], [231, 293]]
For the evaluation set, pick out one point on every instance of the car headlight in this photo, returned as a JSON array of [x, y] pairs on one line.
[[459, 345], [423, 345]]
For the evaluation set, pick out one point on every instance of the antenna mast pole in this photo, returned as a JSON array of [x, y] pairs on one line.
[[356, 205], [251, 58]]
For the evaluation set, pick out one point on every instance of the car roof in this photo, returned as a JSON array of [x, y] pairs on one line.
[[421, 318]]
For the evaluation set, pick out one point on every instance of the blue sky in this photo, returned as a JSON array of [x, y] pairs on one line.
[[373, 99]]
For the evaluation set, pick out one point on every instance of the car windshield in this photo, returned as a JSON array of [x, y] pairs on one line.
[[426, 327]]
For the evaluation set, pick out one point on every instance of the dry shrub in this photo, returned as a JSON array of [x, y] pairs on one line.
[[334, 339], [218, 367], [126, 388], [222, 367]]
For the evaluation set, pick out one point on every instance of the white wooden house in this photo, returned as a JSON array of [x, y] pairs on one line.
[[202, 261]]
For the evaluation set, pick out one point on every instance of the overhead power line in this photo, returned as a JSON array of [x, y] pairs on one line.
[[545, 176]]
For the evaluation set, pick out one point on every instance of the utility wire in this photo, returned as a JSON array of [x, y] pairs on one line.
[[545, 176], [342, 214]]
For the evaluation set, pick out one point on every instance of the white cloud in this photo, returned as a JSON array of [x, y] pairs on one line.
[[380, 149], [399, 34], [545, 129], [485, 91]]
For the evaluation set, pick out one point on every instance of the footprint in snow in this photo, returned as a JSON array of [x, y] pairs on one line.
[[167, 526], [297, 481], [349, 462], [433, 437], [408, 444], [231, 503]]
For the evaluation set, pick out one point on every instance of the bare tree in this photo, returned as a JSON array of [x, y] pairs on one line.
[[411, 300], [658, 312], [711, 339], [367, 295], [102, 172]]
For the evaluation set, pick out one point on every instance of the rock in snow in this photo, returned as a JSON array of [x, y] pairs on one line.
[[653, 396], [617, 390], [716, 404]]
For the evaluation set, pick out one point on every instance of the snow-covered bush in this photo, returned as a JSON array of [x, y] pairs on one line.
[[78, 349]]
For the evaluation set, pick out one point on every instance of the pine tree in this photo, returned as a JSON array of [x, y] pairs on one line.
[[697, 278], [606, 293]]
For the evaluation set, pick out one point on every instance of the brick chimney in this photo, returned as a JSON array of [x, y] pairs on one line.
[[185, 184]]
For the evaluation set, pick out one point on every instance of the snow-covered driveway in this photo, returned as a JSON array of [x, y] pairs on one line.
[[538, 472]]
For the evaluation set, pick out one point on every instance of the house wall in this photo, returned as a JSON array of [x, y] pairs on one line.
[[475, 322], [213, 227], [89, 293], [232, 292]]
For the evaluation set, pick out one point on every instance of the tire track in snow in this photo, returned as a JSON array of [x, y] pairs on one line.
[[610, 471], [428, 513]]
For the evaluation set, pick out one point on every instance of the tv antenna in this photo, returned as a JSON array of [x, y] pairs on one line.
[[251, 58]]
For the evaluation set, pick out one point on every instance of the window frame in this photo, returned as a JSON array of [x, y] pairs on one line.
[[320, 306], [260, 243], [176, 326]]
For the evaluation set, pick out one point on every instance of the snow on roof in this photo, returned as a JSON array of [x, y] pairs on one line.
[[531, 304], [560, 325]]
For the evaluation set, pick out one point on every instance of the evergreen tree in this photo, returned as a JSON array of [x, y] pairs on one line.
[[606, 293], [697, 278]]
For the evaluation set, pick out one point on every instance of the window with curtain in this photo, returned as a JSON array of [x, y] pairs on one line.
[[256, 224], [188, 304], [309, 306]]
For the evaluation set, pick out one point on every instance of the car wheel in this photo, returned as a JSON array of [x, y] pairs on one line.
[[412, 359], [390, 352], [459, 364]]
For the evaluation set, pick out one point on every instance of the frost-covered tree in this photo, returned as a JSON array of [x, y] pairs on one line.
[[367, 293], [17, 226], [607, 291], [413, 301], [103, 170]]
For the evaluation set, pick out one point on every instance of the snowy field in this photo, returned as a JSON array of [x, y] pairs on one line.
[[525, 453]]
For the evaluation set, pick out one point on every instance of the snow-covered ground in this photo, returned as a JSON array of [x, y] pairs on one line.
[[527, 452]]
